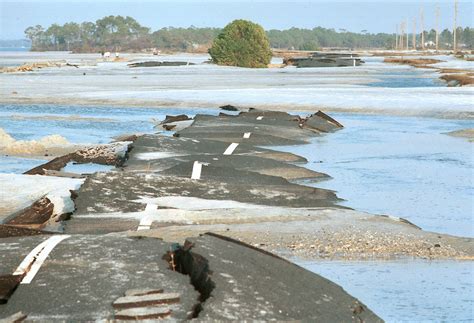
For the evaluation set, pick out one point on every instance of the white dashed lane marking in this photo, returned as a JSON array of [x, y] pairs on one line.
[[146, 220], [259, 117], [230, 149], [197, 168], [33, 261], [247, 135]]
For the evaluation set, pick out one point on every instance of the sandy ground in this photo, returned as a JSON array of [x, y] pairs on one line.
[[204, 85], [464, 133], [330, 234]]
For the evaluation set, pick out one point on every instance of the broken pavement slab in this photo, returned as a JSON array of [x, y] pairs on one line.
[[250, 284], [134, 301], [109, 154], [143, 313], [88, 273], [32, 196], [91, 274]]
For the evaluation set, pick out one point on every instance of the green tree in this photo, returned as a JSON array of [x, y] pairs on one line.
[[36, 34], [241, 43]]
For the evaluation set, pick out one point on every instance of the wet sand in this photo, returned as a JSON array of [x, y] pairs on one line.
[[463, 133], [284, 89]]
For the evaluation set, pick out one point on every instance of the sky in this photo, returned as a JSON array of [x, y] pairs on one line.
[[353, 15]]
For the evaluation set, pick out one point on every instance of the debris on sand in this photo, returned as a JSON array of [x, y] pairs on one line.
[[29, 67]]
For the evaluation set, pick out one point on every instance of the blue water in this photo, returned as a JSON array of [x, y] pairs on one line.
[[401, 166], [30, 121], [407, 79], [381, 164], [406, 291], [14, 49]]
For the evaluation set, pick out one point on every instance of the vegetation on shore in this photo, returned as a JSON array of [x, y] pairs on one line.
[[241, 43], [453, 77], [126, 34]]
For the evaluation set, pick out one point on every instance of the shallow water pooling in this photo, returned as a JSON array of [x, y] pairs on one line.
[[78, 124], [400, 166], [406, 291]]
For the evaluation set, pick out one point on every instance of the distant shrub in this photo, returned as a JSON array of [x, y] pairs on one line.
[[241, 43]]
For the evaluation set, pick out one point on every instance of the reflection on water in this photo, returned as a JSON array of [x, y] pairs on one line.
[[400, 166], [407, 291]]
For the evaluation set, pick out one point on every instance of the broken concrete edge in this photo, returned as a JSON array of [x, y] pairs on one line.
[[35, 216], [8, 285], [328, 118], [402, 220], [46, 213], [244, 244], [229, 107], [8, 231], [176, 118], [102, 154], [136, 301], [183, 260], [142, 313], [114, 154]]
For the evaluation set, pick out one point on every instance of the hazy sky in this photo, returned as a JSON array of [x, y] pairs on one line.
[[374, 16]]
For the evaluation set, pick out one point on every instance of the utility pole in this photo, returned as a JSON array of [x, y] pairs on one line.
[[437, 28], [402, 36], [414, 34], [406, 24], [455, 25], [422, 21], [396, 38]]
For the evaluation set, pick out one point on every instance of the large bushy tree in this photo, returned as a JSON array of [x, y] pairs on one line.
[[241, 43]]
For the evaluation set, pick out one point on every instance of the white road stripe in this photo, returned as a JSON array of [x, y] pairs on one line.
[[147, 220], [247, 135], [230, 149], [33, 261], [30, 258], [145, 223], [259, 117], [197, 168], [150, 208]]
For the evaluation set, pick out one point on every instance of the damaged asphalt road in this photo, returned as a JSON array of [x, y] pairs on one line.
[[111, 245]]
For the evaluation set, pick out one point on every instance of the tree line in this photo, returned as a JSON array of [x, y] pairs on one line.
[[117, 33]]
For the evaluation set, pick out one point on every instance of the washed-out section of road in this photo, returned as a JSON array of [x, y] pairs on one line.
[[209, 177]]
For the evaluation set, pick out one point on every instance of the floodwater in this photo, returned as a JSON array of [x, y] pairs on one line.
[[407, 291], [78, 124], [401, 166]]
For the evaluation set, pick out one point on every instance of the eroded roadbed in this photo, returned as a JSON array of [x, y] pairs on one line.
[[111, 245], [102, 277]]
